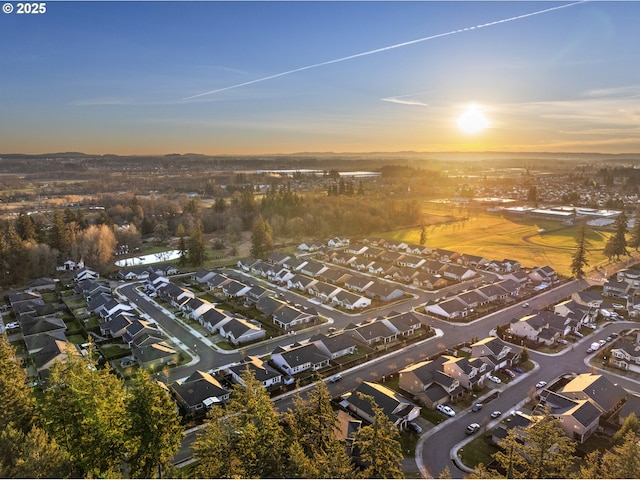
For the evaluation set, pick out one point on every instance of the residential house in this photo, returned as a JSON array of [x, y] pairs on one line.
[[626, 356], [334, 276], [589, 298], [473, 298], [494, 352], [86, 274], [472, 261], [288, 317], [42, 284], [405, 324], [373, 333], [383, 291], [199, 392], [323, 291], [134, 273], [336, 345], [358, 283], [239, 331], [260, 369], [428, 281], [154, 355], [429, 384], [632, 404], [613, 288], [394, 245], [598, 389], [511, 286], [545, 327], [268, 305], [176, 296], [458, 273], [543, 275], [469, 372], [196, 307], [337, 242], [203, 275], [350, 300], [255, 293], [356, 248], [140, 331], [53, 351], [235, 289], [300, 282], [396, 407], [434, 267], [493, 292], [116, 326], [343, 258], [294, 263], [278, 258], [155, 282], [579, 419], [450, 308], [213, 319], [445, 256], [299, 358]]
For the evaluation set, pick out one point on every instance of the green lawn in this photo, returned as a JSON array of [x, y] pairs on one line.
[[532, 242]]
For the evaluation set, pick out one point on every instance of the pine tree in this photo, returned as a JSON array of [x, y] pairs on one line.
[[634, 241], [247, 441], [541, 450], [316, 450], [380, 447], [83, 409], [579, 259], [155, 427], [631, 424], [197, 251], [423, 234], [261, 240], [16, 403], [31, 455], [622, 461], [617, 244]]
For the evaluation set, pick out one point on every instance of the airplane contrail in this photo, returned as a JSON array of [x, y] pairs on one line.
[[384, 49]]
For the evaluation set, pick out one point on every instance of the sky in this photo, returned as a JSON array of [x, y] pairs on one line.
[[321, 76]]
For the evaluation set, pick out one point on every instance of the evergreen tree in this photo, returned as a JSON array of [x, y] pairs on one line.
[[25, 227], [579, 259], [634, 241], [617, 244], [59, 238], [631, 424], [622, 461], [380, 447], [31, 455], [316, 451], [197, 250], [155, 427], [248, 441], [261, 240], [541, 450], [16, 403], [83, 409], [423, 234]]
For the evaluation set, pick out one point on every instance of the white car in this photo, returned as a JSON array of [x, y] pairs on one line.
[[496, 414], [541, 384], [446, 410], [494, 379]]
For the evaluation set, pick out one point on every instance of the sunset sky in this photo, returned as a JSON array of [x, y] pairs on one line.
[[284, 77]]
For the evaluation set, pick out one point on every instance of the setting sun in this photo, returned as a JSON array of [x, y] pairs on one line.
[[472, 120]]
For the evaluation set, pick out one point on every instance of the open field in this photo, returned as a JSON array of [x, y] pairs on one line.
[[533, 242]]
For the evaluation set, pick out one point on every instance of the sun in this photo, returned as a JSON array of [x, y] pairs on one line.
[[473, 120]]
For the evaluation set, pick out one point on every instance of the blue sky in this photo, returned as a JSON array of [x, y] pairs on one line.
[[133, 77]]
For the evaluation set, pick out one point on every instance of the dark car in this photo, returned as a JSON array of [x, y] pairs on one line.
[[516, 369]]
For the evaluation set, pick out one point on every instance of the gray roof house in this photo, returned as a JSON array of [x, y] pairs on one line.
[[199, 392]]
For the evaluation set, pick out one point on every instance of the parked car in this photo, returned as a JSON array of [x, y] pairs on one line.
[[541, 384], [509, 372], [335, 378], [516, 369], [525, 305], [446, 410], [496, 414], [477, 407], [494, 379], [608, 339], [473, 428], [415, 427], [515, 412], [589, 350], [562, 341]]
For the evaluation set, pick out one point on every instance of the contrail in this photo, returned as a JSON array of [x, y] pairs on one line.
[[384, 49]]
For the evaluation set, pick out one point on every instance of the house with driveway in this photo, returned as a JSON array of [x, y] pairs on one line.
[[396, 407], [429, 384]]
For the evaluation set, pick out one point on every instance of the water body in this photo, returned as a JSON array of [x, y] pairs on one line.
[[152, 258]]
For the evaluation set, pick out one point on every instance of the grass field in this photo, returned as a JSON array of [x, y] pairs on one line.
[[532, 242]]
